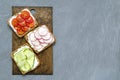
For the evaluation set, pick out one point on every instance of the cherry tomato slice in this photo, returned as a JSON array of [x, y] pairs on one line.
[[30, 25], [29, 20], [20, 32], [14, 22], [25, 14], [17, 28], [23, 23], [25, 28], [19, 18]]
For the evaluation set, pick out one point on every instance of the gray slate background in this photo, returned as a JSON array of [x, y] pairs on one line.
[[88, 39]]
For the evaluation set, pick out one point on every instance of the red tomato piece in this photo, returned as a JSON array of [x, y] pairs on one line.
[[20, 32], [17, 28], [23, 23], [25, 14], [14, 22], [29, 20], [30, 25], [25, 28], [19, 18]]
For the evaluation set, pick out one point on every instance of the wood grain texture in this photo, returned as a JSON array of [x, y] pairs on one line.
[[43, 16]]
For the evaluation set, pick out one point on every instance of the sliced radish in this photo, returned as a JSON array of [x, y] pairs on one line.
[[47, 37], [41, 40], [44, 44], [38, 48], [31, 37], [37, 36], [35, 43], [49, 41], [43, 31]]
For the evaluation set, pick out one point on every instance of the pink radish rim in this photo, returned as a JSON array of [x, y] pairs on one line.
[[34, 44], [36, 37], [47, 41], [48, 38], [42, 35]]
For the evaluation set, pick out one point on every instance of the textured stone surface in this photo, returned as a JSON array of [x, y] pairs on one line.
[[88, 39]]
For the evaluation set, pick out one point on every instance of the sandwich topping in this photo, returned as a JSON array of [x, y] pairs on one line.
[[22, 22], [24, 58], [40, 38]]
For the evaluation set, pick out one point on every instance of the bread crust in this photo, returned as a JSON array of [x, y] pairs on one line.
[[36, 24], [12, 56]]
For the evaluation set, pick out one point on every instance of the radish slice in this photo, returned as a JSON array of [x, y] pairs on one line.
[[43, 30], [31, 37], [38, 48], [47, 37], [50, 40], [35, 43], [37, 36], [44, 44], [41, 40]]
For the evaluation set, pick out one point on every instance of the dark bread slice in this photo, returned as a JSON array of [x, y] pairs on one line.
[[36, 58], [10, 19]]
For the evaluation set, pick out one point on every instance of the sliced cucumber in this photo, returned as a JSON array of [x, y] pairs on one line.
[[21, 63], [26, 67], [31, 61], [30, 57], [28, 53], [19, 57], [25, 59]]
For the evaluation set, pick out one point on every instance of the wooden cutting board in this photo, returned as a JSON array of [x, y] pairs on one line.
[[43, 16]]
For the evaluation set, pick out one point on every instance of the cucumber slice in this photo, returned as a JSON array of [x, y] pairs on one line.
[[28, 53], [21, 63], [26, 67], [31, 61], [25, 59], [30, 57], [19, 57]]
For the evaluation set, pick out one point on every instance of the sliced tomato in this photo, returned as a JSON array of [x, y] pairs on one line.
[[20, 26], [29, 20], [14, 22], [25, 14], [19, 18], [23, 23], [25, 28], [30, 25], [17, 28], [20, 32]]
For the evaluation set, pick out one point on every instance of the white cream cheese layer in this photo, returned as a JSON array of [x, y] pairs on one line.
[[40, 38]]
